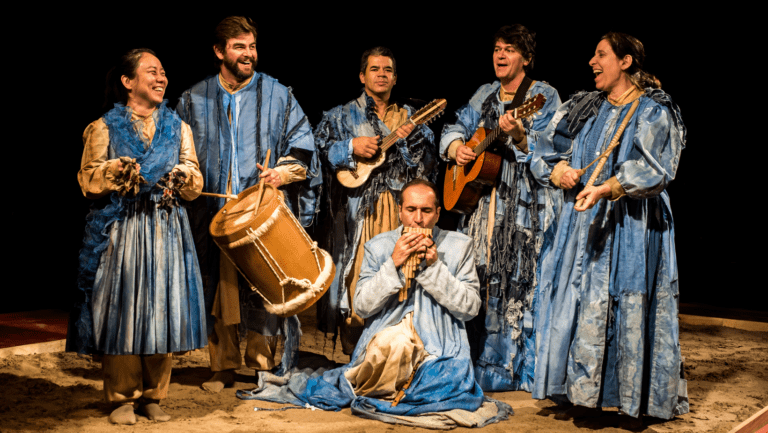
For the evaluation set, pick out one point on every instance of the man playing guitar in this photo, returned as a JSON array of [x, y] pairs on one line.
[[512, 214]]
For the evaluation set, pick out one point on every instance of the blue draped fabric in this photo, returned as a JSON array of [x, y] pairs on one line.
[[607, 329], [414, 157], [503, 334], [265, 116], [138, 267], [445, 380]]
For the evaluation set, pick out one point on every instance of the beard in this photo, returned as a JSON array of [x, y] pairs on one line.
[[239, 75]]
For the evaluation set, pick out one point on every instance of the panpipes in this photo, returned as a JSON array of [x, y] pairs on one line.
[[412, 263]]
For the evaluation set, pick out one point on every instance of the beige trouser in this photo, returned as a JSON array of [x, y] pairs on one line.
[[391, 357], [130, 377], [224, 348]]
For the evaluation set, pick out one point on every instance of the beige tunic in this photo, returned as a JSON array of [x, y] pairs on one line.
[[97, 173], [385, 217]]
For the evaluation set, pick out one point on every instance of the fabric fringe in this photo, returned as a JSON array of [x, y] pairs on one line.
[[514, 248], [292, 332]]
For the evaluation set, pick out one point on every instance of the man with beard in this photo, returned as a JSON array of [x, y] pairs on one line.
[[236, 116], [351, 132]]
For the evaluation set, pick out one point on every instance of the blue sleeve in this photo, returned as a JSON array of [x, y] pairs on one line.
[[334, 141], [542, 118], [467, 119], [550, 148], [421, 140], [379, 278], [650, 163]]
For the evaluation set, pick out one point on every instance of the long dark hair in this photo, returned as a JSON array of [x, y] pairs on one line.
[[622, 45], [115, 90]]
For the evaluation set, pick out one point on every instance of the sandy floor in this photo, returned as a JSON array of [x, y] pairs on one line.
[[726, 371]]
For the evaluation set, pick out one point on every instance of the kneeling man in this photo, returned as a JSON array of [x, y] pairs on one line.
[[427, 327], [412, 359]]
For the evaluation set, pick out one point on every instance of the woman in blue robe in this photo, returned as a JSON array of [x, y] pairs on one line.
[[138, 267], [607, 329]]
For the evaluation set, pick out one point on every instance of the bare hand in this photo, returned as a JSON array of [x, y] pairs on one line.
[[511, 126], [591, 195], [365, 146], [405, 130], [430, 252], [407, 244], [270, 176], [569, 179], [464, 155]]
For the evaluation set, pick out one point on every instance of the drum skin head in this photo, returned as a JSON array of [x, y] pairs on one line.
[[238, 215]]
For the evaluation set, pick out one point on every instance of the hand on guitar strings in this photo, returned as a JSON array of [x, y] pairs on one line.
[[464, 155], [512, 126], [591, 195], [410, 243], [270, 176], [365, 147]]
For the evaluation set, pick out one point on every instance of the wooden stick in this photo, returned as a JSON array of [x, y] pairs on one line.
[[604, 157], [261, 184], [213, 194]]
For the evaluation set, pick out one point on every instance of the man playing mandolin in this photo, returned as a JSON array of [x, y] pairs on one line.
[[350, 138], [513, 212]]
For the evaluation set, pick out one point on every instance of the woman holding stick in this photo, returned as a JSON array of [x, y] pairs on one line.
[[138, 268], [607, 330]]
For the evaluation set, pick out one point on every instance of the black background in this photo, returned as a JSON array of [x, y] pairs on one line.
[[55, 68]]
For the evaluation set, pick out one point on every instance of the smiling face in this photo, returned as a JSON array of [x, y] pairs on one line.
[[147, 88], [419, 208], [508, 62], [608, 68], [238, 61], [379, 77]]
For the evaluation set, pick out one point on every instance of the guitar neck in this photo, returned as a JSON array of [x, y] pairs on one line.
[[489, 138]]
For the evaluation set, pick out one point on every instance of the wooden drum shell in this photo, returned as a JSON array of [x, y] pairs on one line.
[[272, 251]]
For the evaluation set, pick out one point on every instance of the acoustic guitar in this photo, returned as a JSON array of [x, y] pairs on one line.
[[464, 185], [364, 166]]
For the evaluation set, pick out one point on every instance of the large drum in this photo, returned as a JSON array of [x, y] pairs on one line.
[[272, 251]]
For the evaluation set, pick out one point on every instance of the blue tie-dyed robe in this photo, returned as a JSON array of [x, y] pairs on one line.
[[607, 329]]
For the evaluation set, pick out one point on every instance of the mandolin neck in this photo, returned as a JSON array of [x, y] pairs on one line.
[[390, 139]]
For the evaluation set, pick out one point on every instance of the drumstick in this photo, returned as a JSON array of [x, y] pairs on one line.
[[213, 194], [261, 183]]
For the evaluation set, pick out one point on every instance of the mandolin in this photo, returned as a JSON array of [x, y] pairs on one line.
[[464, 185], [364, 166]]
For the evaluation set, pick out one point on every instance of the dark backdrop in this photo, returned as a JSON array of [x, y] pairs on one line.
[[57, 78]]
